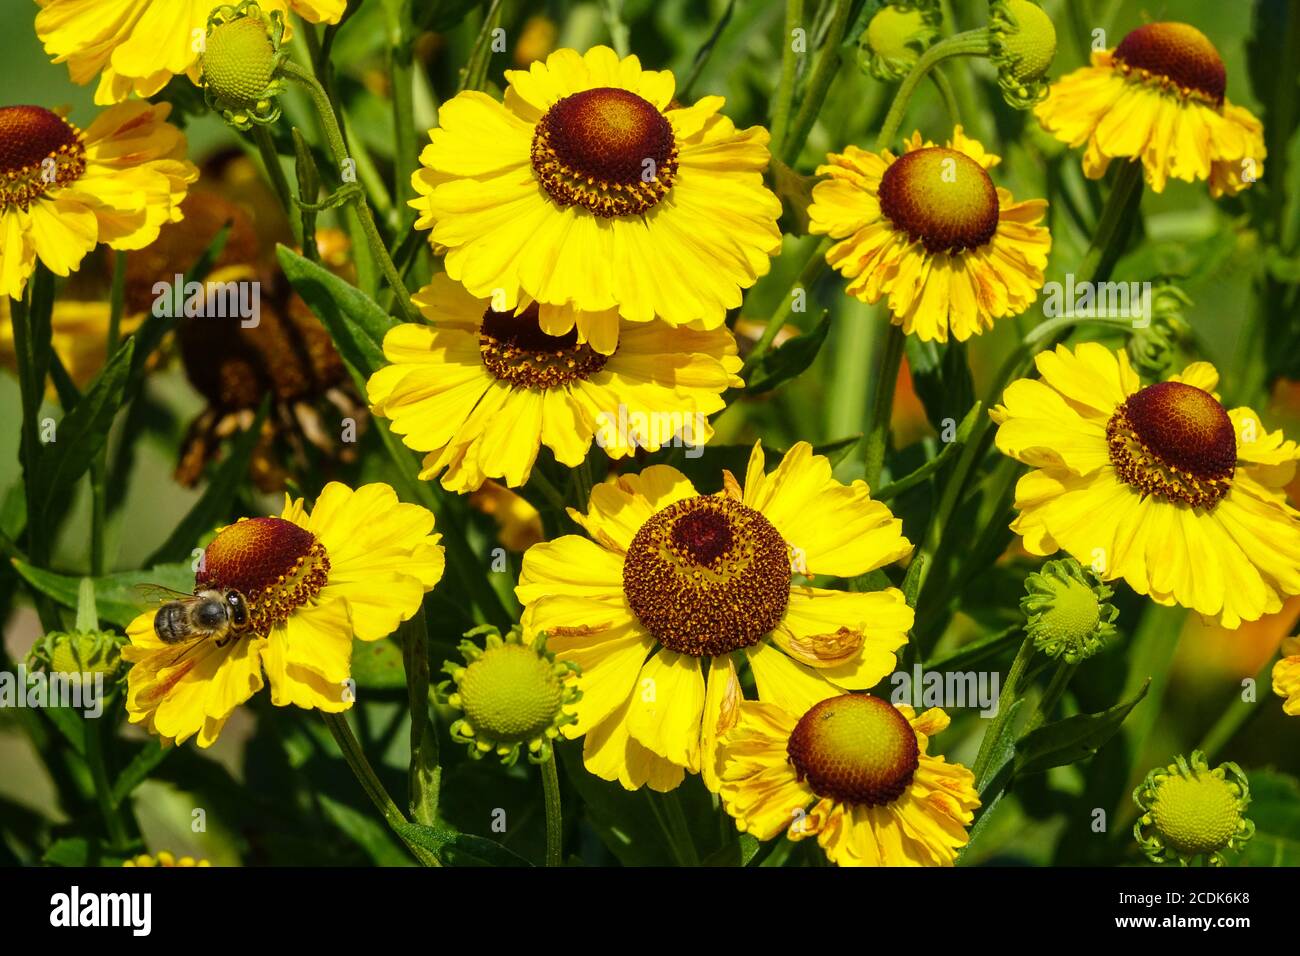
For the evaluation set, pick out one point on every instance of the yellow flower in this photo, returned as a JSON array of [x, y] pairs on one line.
[[80, 337], [590, 186], [672, 580], [137, 46], [1286, 678], [519, 524], [1158, 97], [63, 190], [1158, 485], [359, 563], [930, 230], [481, 390], [877, 797]]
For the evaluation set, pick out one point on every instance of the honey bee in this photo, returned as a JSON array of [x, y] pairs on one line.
[[210, 614]]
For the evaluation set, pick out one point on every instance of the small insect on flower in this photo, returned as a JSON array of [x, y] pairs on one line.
[[221, 616]]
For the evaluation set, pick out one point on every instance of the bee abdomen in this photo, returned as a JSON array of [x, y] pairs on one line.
[[171, 623]]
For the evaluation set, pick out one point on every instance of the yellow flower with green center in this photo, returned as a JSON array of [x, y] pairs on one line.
[[164, 859], [1190, 811], [1066, 611], [675, 591], [358, 563], [64, 190], [137, 46], [479, 391], [590, 187], [1159, 485], [1159, 97], [850, 769], [896, 37], [1286, 677], [1023, 41], [930, 231], [513, 695], [237, 69]]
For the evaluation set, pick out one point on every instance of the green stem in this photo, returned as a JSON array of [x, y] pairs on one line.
[[350, 747], [946, 94], [95, 763], [401, 73], [618, 32], [339, 151], [970, 43], [275, 172], [911, 480], [882, 404], [789, 66], [828, 64], [1112, 226], [1006, 700], [810, 273], [99, 467], [681, 832], [554, 818], [1060, 680]]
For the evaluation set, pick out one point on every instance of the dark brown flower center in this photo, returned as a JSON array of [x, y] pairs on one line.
[[38, 151], [707, 576], [517, 351], [941, 198], [607, 150], [1177, 55], [1174, 441], [277, 566], [856, 749]]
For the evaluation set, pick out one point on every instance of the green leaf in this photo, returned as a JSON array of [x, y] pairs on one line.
[[1072, 739], [942, 379], [81, 852], [366, 831], [354, 321], [454, 848], [214, 504], [82, 433], [117, 597], [790, 360]]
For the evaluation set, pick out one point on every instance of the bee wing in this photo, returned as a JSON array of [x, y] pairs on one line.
[[159, 593]]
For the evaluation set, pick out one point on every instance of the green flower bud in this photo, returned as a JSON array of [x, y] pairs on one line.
[[512, 695], [239, 64], [1066, 611], [896, 37], [1023, 43], [1189, 810]]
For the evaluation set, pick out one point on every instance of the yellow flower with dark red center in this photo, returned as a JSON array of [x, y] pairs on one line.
[[358, 563], [673, 583], [1158, 484], [850, 769], [481, 390], [591, 187], [1159, 97], [64, 190], [931, 231], [137, 46]]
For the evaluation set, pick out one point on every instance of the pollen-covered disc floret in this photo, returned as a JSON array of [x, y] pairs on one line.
[[1066, 610], [1175, 56], [39, 150], [275, 564], [1189, 810], [513, 695], [1175, 441], [941, 198], [707, 576], [239, 63], [607, 150], [516, 351], [857, 749]]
